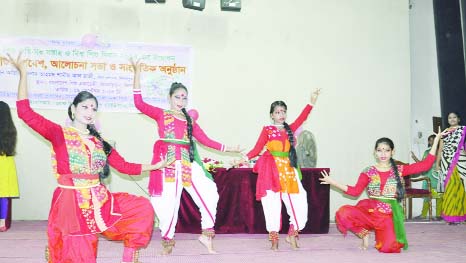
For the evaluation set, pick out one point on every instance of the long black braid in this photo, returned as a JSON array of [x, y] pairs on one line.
[[292, 154], [400, 190], [82, 96], [107, 149], [189, 124]]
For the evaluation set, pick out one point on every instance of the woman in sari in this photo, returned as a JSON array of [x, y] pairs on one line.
[[451, 164]]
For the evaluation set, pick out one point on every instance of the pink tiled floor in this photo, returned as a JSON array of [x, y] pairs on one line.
[[428, 242]]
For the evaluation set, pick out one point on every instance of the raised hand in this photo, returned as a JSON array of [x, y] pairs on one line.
[[137, 72], [136, 65], [444, 132], [19, 63], [440, 134], [314, 96], [435, 144]]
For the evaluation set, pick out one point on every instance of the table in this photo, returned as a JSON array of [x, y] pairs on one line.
[[239, 212]]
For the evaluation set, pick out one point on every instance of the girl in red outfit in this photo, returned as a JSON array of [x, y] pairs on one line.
[[382, 212], [81, 206], [278, 174], [177, 131]]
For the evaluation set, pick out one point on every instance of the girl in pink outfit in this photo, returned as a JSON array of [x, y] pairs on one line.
[[82, 206], [177, 131]]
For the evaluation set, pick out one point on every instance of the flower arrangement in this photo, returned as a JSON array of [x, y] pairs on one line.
[[211, 164]]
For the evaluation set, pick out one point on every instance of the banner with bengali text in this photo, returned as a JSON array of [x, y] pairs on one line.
[[59, 69]]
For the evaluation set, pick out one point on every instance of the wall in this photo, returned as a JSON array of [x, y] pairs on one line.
[[425, 95], [357, 51]]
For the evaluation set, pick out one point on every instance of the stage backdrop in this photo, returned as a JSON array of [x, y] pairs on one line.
[[354, 50], [59, 69]]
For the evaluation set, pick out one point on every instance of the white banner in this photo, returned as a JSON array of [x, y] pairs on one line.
[[59, 69]]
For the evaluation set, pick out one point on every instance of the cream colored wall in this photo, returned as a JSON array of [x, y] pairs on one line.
[[356, 51], [425, 92]]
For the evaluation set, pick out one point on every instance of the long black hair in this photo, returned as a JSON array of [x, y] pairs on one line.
[[400, 191], [292, 153], [82, 96], [189, 122], [8, 132]]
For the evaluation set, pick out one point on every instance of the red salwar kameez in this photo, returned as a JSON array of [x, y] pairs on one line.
[[375, 214], [81, 206]]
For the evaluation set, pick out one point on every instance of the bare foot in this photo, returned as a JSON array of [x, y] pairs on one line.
[[365, 243], [274, 246], [167, 247], [3, 225], [207, 242], [166, 251], [292, 241]]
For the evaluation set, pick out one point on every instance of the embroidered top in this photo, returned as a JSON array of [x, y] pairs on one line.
[[171, 129], [383, 184], [274, 170], [374, 188], [76, 168], [453, 155]]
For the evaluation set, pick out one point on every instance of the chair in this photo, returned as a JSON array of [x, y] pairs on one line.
[[411, 193]]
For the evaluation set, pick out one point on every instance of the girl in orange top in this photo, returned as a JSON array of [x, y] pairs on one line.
[[278, 174]]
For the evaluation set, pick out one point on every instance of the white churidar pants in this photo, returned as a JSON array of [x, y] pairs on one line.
[[296, 207], [203, 191]]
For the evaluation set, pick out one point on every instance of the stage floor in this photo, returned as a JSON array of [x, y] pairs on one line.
[[428, 242]]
